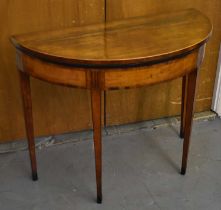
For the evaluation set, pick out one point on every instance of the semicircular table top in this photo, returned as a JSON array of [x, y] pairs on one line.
[[120, 43]]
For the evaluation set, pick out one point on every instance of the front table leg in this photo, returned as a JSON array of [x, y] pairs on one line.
[[191, 79], [96, 117], [27, 107]]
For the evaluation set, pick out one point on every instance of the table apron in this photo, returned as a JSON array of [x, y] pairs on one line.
[[110, 78], [152, 74]]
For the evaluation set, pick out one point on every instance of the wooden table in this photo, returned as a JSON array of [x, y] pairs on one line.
[[128, 53]]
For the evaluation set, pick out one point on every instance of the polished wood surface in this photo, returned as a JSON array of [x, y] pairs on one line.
[[50, 72], [101, 72], [122, 42], [115, 78], [151, 74]]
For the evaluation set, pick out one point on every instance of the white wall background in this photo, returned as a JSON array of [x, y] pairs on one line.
[[216, 105]]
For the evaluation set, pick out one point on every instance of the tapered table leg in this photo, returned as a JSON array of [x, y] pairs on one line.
[[190, 97], [96, 117], [105, 109], [27, 107], [183, 106]]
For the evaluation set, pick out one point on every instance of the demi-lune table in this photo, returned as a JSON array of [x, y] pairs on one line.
[[128, 53]]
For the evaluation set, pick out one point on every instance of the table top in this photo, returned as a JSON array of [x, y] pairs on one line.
[[120, 43]]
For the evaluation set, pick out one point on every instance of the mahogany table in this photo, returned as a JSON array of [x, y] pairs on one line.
[[129, 53]]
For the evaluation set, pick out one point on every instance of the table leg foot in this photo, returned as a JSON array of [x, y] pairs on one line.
[[181, 135], [34, 176], [183, 171], [99, 199]]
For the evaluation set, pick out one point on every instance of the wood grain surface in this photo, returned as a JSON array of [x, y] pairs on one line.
[[64, 109], [123, 42]]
